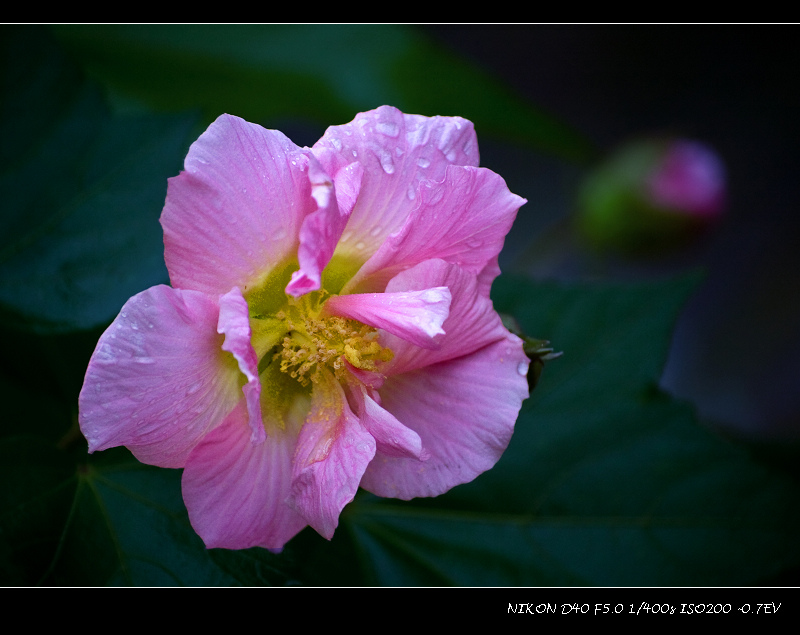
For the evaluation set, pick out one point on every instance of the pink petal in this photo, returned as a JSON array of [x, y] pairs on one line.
[[235, 212], [415, 316], [235, 491], [487, 276], [332, 453], [397, 151], [158, 379], [463, 220], [234, 323], [392, 438], [322, 229], [472, 323], [463, 410]]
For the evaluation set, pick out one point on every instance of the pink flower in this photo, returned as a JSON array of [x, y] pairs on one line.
[[328, 326], [688, 178]]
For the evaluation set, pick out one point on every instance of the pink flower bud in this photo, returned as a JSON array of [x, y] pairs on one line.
[[652, 194], [689, 178]]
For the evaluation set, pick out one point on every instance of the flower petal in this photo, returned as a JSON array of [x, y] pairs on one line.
[[234, 323], [463, 410], [235, 490], [235, 212], [322, 228], [392, 438], [463, 219], [158, 379], [415, 316], [471, 324], [396, 151], [333, 451]]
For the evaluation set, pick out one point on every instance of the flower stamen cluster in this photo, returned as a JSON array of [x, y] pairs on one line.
[[313, 341]]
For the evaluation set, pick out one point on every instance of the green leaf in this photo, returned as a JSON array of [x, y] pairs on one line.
[[82, 191], [128, 526], [37, 488], [325, 73], [606, 482]]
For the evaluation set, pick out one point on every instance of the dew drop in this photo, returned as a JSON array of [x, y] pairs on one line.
[[423, 162], [193, 388], [522, 368], [388, 128], [360, 245], [346, 236], [376, 230], [336, 143], [411, 192], [386, 162], [144, 360], [279, 234]]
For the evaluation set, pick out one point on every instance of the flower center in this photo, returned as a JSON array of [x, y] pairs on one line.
[[314, 340], [299, 344]]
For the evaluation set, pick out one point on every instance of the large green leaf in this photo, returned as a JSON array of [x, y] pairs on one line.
[[108, 521], [326, 73], [606, 481], [81, 189]]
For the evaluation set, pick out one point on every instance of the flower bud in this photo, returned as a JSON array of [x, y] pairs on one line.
[[651, 195]]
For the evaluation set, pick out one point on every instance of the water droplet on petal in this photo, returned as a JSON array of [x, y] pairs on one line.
[[346, 236], [390, 129], [279, 234], [386, 162], [376, 230], [360, 245], [423, 162], [522, 368], [193, 388], [411, 192], [336, 143]]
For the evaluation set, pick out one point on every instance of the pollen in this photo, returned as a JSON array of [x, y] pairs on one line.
[[314, 341]]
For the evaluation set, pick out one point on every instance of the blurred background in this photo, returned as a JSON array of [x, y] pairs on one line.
[[96, 118], [736, 351]]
